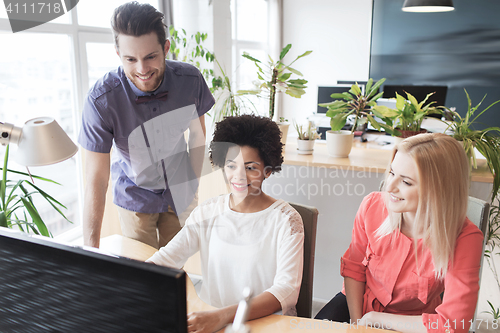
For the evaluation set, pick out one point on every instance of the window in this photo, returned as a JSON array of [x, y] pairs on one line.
[[33, 84], [46, 71], [101, 58], [3, 13], [250, 34], [253, 31], [97, 13]]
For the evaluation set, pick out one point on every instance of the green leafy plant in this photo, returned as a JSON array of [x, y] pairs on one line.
[[494, 312], [275, 76], [492, 241], [190, 49], [228, 102], [354, 102], [407, 116], [309, 133], [17, 209], [486, 141]]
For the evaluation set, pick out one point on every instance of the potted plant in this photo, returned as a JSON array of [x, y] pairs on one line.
[[191, 50], [486, 141], [406, 119], [16, 199], [306, 138], [227, 102], [354, 103], [276, 76], [492, 239]]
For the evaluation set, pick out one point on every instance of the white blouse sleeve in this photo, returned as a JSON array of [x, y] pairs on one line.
[[181, 247], [286, 285]]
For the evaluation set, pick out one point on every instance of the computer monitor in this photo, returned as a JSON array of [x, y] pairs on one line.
[[325, 92], [419, 92], [50, 287]]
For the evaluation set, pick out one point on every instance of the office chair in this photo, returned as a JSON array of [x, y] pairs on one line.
[[478, 212], [310, 219]]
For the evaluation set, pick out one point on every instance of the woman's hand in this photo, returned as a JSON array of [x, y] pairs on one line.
[[211, 321], [389, 321], [371, 319], [207, 321]]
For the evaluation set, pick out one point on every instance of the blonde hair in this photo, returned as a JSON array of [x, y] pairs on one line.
[[443, 173]]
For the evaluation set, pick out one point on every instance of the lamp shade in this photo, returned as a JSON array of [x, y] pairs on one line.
[[428, 6], [43, 142]]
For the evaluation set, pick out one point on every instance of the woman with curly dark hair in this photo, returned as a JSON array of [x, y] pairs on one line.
[[246, 238]]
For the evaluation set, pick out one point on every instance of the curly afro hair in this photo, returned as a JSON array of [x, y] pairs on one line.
[[257, 132]]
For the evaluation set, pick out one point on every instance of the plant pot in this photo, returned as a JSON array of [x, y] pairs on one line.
[[407, 134], [284, 132], [339, 143], [305, 147]]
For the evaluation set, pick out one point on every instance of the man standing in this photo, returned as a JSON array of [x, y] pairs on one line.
[[142, 110]]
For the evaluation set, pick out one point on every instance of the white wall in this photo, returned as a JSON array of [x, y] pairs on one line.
[[338, 32]]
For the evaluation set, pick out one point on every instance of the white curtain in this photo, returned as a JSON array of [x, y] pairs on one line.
[[276, 40], [167, 8]]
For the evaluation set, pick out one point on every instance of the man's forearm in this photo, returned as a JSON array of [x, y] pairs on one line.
[[196, 145], [94, 203], [97, 170]]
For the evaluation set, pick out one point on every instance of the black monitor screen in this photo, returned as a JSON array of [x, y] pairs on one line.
[[50, 287], [419, 92], [325, 92]]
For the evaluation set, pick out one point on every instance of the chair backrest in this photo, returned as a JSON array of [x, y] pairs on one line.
[[478, 212], [310, 219]]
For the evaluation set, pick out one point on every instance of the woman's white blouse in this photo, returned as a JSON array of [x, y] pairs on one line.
[[262, 250]]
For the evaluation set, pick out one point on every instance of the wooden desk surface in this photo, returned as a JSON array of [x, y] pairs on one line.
[[126, 247], [366, 157], [131, 248]]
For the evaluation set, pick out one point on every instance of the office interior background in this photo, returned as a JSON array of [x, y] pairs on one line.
[[48, 69]]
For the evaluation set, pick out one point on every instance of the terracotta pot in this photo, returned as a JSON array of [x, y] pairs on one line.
[[407, 134]]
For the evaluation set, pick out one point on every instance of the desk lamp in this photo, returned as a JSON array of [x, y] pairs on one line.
[[241, 316], [41, 141], [428, 6]]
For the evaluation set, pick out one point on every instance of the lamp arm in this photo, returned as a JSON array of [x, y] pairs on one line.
[[241, 316], [9, 134]]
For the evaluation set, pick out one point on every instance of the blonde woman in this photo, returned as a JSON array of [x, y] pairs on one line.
[[411, 243]]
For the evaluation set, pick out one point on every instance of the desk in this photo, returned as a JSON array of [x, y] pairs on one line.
[[336, 187], [364, 156], [126, 247]]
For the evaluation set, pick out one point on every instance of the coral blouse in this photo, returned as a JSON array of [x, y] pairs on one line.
[[398, 283]]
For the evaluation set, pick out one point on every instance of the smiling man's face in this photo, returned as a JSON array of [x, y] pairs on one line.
[[143, 60]]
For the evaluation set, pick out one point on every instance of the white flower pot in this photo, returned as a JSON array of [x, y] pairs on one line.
[[339, 143], [284, 132], [305, 147]]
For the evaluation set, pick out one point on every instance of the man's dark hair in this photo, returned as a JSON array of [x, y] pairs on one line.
[[257, 132], [136, 19]]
